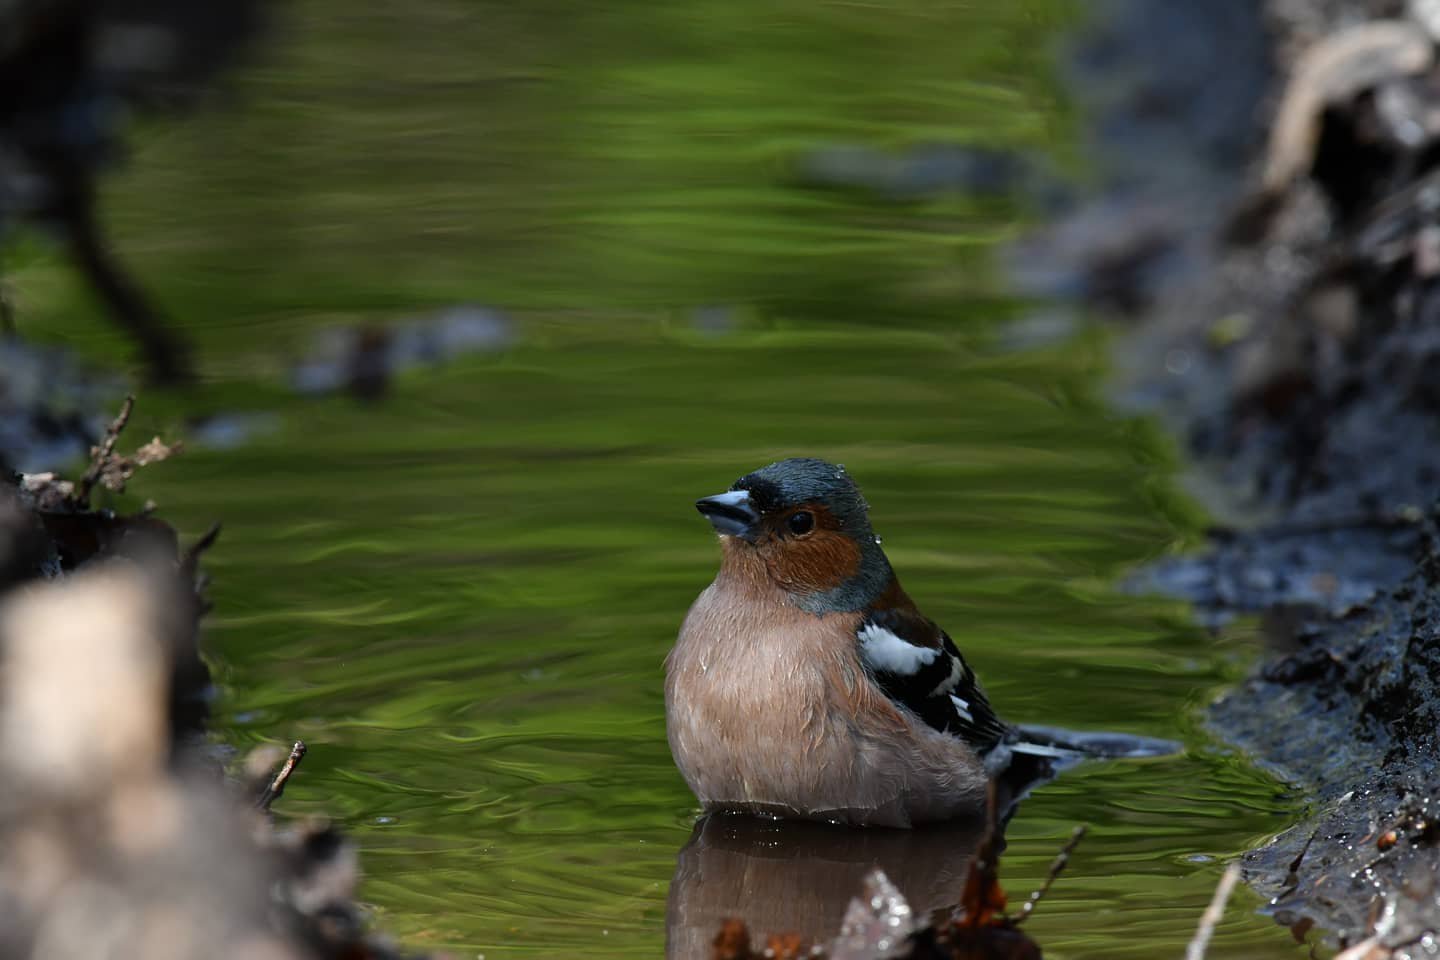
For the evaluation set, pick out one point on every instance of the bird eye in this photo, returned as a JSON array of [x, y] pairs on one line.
[[801, 523]]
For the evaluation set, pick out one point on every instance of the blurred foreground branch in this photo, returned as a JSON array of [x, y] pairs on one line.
[[117, 835]]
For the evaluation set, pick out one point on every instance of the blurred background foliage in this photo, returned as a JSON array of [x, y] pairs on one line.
[[570, 157]]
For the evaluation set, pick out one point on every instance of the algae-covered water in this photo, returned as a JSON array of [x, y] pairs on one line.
[[461, 596]]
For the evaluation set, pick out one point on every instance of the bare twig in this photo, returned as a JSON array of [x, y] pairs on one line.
[[1061, 861], [102, 454], [277, 786], [1213, 913]]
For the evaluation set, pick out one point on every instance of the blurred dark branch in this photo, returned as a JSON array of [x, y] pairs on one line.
[[191, 560], [71, 72], [165, 354]]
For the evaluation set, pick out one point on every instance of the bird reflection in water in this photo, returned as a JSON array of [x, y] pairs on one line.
[[795, 876]]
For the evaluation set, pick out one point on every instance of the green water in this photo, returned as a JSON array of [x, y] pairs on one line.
[[461, 597]]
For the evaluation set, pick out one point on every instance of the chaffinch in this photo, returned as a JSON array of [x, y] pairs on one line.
[[805, 682]]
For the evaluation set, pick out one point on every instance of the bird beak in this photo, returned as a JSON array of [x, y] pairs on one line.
[[732, 514]]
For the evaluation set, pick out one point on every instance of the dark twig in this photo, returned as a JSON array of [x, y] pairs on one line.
[[1061, 861], [277, 785], [192, 556], [1201, 941], [104, 451], [982, 901], [165, 354], [190, 567], [1292, 876]]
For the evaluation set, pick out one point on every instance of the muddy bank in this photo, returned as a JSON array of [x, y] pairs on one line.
[[1290, 332]]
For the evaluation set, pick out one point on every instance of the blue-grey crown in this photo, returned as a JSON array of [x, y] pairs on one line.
[[789, 483], [800, 480]]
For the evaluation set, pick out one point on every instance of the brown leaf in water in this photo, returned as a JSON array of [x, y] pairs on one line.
[[786, 946], [983, 902], [981, 929], [733, 941]]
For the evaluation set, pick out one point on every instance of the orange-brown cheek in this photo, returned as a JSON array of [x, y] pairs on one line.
[[815, 564]]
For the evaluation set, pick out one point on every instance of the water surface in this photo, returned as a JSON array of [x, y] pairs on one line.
[[461, 596]]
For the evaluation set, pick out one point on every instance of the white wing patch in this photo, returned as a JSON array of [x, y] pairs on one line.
[[963, 708], [883, 650]]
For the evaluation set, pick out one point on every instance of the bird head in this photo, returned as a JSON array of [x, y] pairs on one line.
[[808, 525]]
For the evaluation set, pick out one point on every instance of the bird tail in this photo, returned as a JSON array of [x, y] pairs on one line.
[[1074, 745], [1030, 756]]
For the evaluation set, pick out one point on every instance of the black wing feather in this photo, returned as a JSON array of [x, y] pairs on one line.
[[926, 675]]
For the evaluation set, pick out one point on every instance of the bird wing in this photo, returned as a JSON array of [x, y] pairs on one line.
[[919, 668]]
